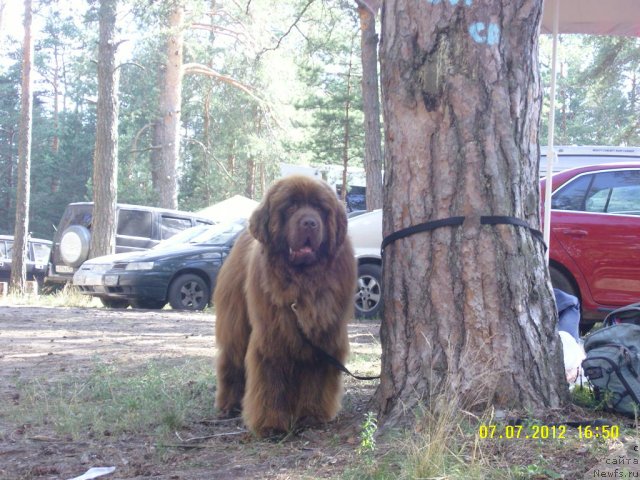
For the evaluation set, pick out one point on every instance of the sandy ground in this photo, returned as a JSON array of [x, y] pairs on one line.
[[55, 343]]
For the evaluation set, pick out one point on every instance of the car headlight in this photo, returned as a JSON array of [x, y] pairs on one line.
[[96, 267], [139, 266]]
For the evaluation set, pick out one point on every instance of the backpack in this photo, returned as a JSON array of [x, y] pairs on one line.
[[628, 314], [612, 366]]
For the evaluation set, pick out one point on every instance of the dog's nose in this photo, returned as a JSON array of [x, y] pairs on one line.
[[308, 222]]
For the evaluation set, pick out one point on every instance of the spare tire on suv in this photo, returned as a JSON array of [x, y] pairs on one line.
[[138, 228], [74, 245]]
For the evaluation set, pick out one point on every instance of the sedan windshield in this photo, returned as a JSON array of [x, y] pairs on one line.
[[183, 237], [218, 234]]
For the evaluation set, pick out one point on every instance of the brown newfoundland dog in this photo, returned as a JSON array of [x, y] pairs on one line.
[[286, 290]]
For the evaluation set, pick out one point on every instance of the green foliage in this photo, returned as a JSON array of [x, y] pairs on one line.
[[583, 397], [332, 119], [299, 60], [9, 108], [597, 100], [367, 435], [537, 470]]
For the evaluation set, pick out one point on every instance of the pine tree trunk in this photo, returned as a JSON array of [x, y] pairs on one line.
[[371, 106], [105, 161], [469, 311], [167, 132], [23, 186], [346, 136]]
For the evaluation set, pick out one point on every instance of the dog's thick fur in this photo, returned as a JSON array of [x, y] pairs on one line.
[[296, 251]]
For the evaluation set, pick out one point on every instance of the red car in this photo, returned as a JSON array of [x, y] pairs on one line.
[[595, 236]]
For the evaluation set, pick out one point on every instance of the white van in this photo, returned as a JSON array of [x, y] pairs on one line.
[[571, 156]]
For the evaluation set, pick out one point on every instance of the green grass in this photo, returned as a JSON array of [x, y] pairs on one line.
[[445, 443], [158, 398], [67, 296]]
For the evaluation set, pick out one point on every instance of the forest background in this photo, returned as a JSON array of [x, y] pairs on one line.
[[287, 89]]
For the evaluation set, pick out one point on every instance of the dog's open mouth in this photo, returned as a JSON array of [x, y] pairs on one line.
[[303, 255]]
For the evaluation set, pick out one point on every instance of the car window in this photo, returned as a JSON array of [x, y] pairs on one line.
[[3, 250], [9, 249], [41, 252], [220, 234], [77, 215], [183, 237], [572, 195], [625, 200], [134, 223], [171, 225], [603, 192], [614, 192]]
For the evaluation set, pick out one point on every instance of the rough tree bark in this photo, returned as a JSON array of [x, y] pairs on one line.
[[346, 134], [105, 160], [164, 158], [23, 187], [469, 313], [371, 102]]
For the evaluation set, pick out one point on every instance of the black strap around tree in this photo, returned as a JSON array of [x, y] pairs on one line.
[[456, 222]]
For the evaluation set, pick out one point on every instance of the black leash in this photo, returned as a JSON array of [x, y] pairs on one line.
[[456, 222], [323, 355]]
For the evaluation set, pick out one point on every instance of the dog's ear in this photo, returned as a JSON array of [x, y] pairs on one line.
[[259, 222], [336, 219], [337, 226], [262, 224]]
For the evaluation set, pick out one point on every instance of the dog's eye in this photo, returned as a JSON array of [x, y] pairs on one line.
[[290, 210]]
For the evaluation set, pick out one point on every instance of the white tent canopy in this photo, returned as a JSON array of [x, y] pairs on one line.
[[595, 17], [231, 209]]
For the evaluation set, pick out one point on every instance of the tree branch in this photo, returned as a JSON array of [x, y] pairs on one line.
[[204, 70], [218, 29], [135, 64], [291, 27], [207, 152], [371, 5], [134, 146]]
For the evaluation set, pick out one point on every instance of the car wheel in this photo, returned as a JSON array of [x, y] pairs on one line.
[[148, 304], [74, 245], [368, 298], [560, 281], [189, 292], [114, 302], [40, 280]]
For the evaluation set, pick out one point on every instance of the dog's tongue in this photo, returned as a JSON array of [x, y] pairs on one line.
[[301, 252]]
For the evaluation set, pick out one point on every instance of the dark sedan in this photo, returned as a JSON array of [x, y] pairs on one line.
[[181, 271]]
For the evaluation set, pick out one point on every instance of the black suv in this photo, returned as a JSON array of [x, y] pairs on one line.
[[37, 258], [139, 228]]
